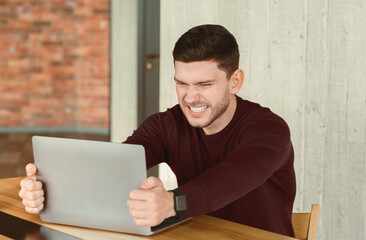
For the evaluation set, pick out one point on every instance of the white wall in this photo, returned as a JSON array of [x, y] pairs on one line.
[[123, 69], [305, 60]]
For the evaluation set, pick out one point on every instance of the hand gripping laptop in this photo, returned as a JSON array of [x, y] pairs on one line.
[[87, 183]]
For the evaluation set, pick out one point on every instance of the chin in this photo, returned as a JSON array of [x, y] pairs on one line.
[[198, 124], [195, 125]]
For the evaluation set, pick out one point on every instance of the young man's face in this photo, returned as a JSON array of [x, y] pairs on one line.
[[204, 94]]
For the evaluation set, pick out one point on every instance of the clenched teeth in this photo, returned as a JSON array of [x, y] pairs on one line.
[[198, 109]]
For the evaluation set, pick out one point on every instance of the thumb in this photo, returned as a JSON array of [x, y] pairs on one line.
[[31, 170], [151, 182]]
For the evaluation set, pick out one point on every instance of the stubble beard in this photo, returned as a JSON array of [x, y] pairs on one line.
[[216, 112]]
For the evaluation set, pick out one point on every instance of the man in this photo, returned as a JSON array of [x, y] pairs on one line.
[[233, 158]]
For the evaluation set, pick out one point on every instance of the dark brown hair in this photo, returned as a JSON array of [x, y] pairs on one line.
[[209, 42]]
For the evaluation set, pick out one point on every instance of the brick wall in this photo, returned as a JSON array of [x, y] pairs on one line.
[[54, 63]]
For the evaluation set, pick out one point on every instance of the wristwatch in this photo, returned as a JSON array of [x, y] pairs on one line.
[[180, 202]]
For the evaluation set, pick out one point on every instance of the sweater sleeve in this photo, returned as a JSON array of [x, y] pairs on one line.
[[265, 148], [148, 135]]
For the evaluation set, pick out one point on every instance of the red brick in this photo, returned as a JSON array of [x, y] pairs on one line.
[[53, 56], [9, 70], [39, 10], [54, 61], [58, 3], [28, 16], [40, 78], [50, 17], [19, 63]]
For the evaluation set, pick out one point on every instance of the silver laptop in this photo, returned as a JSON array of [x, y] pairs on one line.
[[87, 183]]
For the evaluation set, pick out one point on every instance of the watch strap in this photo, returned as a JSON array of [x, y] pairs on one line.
[[180, 202]]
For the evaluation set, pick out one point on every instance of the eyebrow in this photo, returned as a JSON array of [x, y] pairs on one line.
[[200, 82]]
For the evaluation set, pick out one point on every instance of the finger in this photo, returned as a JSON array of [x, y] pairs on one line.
[[33, 195], [151, 182], [22, 193], [146, 222], [141, 195], [34, 210], [31, 170], [138, 205], [30, 184], [139, 214], [34, 203]]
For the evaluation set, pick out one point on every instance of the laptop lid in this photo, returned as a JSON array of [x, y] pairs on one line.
[[87, 183]]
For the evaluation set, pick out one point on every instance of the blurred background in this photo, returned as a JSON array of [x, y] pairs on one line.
[[54, 75], [95, 69]]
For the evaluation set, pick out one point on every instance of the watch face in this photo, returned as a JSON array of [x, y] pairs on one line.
[[181, 203]]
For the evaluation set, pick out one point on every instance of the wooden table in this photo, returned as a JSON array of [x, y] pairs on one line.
[[202, 227]]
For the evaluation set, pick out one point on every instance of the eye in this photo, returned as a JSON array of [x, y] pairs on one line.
[[206, 84], [180, 83]]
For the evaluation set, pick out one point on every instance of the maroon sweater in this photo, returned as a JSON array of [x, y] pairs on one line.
[[244, 173]]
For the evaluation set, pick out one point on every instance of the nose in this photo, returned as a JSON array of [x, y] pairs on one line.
[[192, 94]]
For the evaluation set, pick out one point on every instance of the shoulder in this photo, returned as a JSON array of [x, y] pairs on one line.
[[254, 111], [156, 126], [165, 118], [165, 121], [257, 120]]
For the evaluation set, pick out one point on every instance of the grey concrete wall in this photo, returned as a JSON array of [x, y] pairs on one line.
[[123, 68], [306, 60]]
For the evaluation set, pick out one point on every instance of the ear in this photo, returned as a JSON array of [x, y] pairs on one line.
[[236, 81]]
